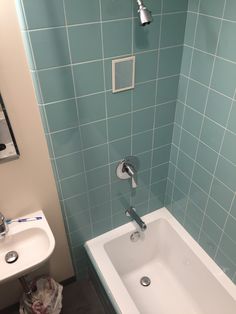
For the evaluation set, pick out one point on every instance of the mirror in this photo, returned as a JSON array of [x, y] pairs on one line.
[[8, 147], [123, 72]]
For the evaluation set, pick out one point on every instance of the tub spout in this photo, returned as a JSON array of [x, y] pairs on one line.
[[132, 213]]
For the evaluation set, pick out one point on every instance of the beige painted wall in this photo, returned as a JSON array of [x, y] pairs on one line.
[[26, 184]]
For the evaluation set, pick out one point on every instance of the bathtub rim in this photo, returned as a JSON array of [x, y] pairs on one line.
[[95, 247]]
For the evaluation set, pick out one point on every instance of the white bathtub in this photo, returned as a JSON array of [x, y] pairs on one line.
[[184, 279]]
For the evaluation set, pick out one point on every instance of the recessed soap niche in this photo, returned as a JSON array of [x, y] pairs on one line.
[[123, 74]]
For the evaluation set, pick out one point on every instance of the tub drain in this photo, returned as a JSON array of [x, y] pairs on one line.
[[145, 281], [11, 257]]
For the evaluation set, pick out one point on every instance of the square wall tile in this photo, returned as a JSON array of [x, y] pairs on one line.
[[142, 142], [73, 186], [203, 40], [218, 107], [202, 73], [98, 177], [119, 127], [94, 134], [144, 95], [202, 178], [69, 165], [225, 172], [118, 103], [190, 28], [143, 120], [206, 157], [197, 95], [212, 134], [85, 42], [216, 213], [82, 11], [170, 61], [221, 194], [56, 84], [228, 149], [230, 10], [66, 142], [167, 89], [224, 76], [185, 164], [79, 221], [192, 121], [96, 157], [50, 48], [146, 38], [146, 66], [165, 114], [227, 45], [119, 149], [173, 6], [91, 108], [163, 135], [212, 8], [101, 212], [112, 10], [173, 27], [99, 196], [76, 204], [117, 38], [61, 115], [188, 144], [88, 78], [232, 118], [42, 14]]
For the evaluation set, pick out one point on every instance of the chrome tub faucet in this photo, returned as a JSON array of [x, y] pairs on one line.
[[131, 212]]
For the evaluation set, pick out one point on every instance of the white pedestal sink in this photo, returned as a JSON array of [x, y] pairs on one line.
[[34, 243]]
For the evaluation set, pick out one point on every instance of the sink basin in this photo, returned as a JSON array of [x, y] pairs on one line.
[[34, 243]]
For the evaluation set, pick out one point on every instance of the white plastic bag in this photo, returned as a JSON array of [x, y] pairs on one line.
[[46, 297]]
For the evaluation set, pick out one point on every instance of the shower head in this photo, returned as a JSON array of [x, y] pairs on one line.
[[144, 14]]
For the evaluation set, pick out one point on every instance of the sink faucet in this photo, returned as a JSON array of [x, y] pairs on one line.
[[132, 213], [3, 225]]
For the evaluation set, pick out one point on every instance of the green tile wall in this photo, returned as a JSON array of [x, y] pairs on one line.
[[201, 182], [70, 46]]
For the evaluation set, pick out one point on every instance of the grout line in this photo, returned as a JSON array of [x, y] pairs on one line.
[[207, 117], [100, 21], [187, 88], [202, 123], [208, 87], [222, 141], [47, 124], [214, 17], [109, 90], [101, 59], [197, 138], [210, 54], [155, 108], [74, 87], [219, 227], [106, 112]]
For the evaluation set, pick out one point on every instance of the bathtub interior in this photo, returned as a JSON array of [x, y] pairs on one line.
[[180, 282]]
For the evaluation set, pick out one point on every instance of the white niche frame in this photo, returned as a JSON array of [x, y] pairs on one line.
[[114, 76]]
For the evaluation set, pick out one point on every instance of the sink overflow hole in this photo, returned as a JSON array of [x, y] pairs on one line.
[[11, 257], [145, 281]]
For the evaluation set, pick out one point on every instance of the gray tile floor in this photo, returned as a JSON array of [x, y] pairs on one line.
[[78, 298]]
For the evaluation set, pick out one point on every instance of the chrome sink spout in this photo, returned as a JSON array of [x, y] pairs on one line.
[[132, 213], [3, 225]]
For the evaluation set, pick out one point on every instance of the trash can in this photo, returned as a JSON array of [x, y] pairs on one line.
[[45, 297]]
